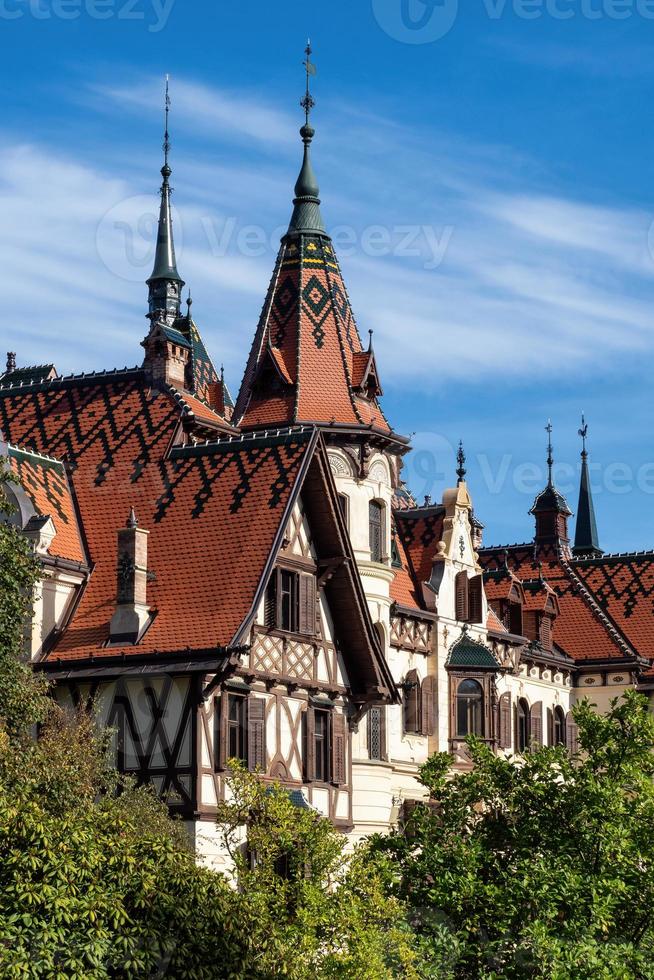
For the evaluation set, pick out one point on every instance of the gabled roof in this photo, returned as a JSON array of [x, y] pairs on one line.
[[45, 483], [581, 630], [216, 514]]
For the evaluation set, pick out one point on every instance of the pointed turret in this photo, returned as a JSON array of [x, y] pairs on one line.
[[165, 284], [307, 362], [551, 510], [586, 538]]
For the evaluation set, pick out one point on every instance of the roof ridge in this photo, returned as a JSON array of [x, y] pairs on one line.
[[613, 554], [60, 379], [33, 452], [497, 547]]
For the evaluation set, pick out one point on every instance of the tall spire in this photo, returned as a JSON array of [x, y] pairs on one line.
[[306, 215], [165, 284], [586, 538]]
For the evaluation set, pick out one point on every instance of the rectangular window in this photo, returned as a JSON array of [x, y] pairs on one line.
[[376, 524], [237, 746], [376, 733], [291, 602], [344, 507], [321, 745]]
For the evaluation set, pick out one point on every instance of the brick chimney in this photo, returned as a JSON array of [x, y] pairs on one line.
[[132, 613], [167, 356]]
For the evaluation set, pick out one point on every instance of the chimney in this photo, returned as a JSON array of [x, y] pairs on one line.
[[132, 613], [11, 362], [167, 356]]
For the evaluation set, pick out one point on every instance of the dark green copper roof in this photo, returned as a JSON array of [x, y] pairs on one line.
[[467, 652], [586, 536], [306, 215]]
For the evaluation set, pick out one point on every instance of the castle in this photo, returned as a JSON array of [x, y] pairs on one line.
[[253, 580]]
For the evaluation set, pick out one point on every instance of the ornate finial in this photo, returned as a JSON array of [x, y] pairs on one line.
[[222, 374], [461, 460], [427, 500], [11, 361], [370, 333], [550, 458], [131, 520], [583, 432], [189, 304], [506, 560], [307, 102], [165, 170]]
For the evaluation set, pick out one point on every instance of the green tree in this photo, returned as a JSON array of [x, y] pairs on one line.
[[304, 907], [542, 866]]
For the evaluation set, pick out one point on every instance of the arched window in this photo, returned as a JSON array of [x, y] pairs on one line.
[[522, 725], [559, 726], [376, 525], [469, 709]]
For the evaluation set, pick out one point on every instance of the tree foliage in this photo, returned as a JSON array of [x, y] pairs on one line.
[[542, 866]]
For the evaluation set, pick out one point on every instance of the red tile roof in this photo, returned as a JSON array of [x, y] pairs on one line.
[[580, 630], [418, 532], [308, 332], [45, 482]]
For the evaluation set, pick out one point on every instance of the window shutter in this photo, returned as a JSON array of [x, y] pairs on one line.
[[411, 703], [307, 603], [505, 721], [309, 745], [270, 613], [427, 706], [461, 590], [571, 734], [339, 739], [536, 723], [475, 603], [546, 632], [257, 734], [550, 727], [376, 748], [221, 714]]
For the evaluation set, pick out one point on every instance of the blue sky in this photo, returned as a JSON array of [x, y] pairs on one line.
[[485, 169]]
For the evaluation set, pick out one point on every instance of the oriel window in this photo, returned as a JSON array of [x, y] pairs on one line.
[[469, 709]]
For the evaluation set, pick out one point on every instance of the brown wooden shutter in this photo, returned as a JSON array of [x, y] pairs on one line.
[[270, 614], [411, 702], [536, 724], [256, 734], [461, 590], [221, 715], [505, 721], [428, 706], [550, 727], [307, 604], [475, 603], [309, 745], [571, 734], [546, 632], [339, 741]]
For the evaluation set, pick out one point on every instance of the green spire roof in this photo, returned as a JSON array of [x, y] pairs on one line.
[[306, 215], [586, 537]]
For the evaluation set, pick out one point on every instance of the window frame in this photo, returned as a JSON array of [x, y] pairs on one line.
[[558, 721], [377, 720], [290, 601], [377, 531], [523, 720], [473, 701]]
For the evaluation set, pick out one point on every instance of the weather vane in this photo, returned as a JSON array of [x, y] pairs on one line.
[[307, 102], [550, 460], [166, 143], [461, 460], [583, 432]]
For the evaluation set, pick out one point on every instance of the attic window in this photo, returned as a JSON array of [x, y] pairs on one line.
[[291, 602]]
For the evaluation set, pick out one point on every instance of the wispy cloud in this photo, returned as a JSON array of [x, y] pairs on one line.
[[525, 268]]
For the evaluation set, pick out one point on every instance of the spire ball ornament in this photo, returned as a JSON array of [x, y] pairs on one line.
[[461, 460]]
